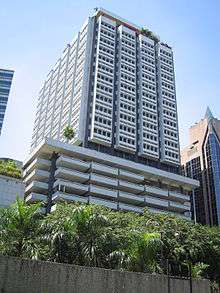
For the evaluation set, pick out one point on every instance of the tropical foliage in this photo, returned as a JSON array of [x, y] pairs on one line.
[[149, 34], [68, 132], [96, 236], [9, 168], [18, 226]]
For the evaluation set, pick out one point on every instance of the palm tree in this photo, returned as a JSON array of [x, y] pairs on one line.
[[144, 251], [77, 237], [93, 225], [198, 269], [18, 229], [68, 133], [141, 254], [58, 234]]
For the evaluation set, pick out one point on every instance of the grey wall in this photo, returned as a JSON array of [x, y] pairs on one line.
[[10, 188], [26, 276]]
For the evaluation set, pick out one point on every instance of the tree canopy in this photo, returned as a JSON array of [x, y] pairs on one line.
[[92, 235]]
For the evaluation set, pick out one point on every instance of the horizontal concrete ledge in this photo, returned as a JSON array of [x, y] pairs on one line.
[[49, 145], [31, 276]]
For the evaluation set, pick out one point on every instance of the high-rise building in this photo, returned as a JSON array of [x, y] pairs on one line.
[[114, 85], [201, 161], [5, 86]]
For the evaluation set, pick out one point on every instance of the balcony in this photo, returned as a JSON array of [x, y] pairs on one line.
[[72, 163], [178, 207], [128, 176], [152, 201], [103, 169], [61, 196], [37, 163], [36, 197], [130, 198], [156, 191], [102, 192], [154, 210], [37, 186], [71, 175], [178, 196], [37, 174], [71, 186], [130, 187], [103, 181], [106, 203], [130, 208]]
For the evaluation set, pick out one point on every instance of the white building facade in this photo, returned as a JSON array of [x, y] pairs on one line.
[[57, 172], [115, 86]]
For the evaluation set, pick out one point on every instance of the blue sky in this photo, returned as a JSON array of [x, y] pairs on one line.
[[34, 33]]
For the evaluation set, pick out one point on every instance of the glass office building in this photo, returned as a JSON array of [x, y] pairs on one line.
[[213, 160], [5, 86], [201, 161]]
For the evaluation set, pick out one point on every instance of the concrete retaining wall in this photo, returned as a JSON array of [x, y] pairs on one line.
[[27, 276]]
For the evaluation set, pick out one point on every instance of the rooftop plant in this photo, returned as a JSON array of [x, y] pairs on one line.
[[148, 33], [164, 44], [68, 132], [9, 168]]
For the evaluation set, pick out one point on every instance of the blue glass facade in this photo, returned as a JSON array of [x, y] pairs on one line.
[[5, 86], [214, 159], [193, 169]]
